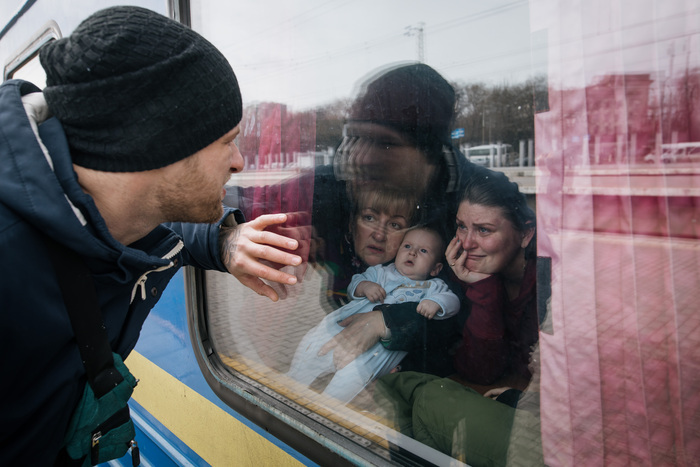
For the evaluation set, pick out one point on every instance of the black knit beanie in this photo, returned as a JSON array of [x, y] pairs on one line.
[[413, 99], [136, 91]]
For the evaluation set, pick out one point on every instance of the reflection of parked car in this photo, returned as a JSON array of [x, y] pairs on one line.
[[484, 155], [675, 152]]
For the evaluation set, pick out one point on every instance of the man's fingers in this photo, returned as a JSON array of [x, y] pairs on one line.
[[267, 220], [265, 237], [300, 271], [274, 255], [281, 289], [246, 266], [259, 287], [274, 275]]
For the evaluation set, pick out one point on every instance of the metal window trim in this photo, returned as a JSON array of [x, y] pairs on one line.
[[47, 33], [312, 439]]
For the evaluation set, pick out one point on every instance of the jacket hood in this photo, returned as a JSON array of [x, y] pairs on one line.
[[38, 183]]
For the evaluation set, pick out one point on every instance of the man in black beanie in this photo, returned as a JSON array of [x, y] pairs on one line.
[[122, 159], [398, 132]]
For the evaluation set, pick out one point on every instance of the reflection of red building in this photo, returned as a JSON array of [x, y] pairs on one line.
[[624, 118], [271, 136], [620, 378], [270, 144], [620, 127], [606, 141]]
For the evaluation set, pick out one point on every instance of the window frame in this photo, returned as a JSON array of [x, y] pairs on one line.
[[48, 32]]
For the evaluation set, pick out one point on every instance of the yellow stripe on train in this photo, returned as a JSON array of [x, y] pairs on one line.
[[212, 433]]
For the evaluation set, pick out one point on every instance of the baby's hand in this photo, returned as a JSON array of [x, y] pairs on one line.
[[374, 292], [428, 308]]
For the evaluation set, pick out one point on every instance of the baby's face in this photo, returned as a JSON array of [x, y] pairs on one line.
[[419, 255]]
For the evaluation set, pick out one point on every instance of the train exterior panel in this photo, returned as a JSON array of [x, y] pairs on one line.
[[173, 402]]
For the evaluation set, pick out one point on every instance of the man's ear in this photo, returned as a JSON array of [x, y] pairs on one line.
[[436, 270]]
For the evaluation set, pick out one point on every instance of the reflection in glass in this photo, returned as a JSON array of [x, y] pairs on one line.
[[592, 111]]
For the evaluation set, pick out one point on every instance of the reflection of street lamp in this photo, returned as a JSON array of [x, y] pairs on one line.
[[417, 31], [483, 127]]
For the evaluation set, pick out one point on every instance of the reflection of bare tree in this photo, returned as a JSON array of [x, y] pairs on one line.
[[329, 123], [497, 113], [678, 96], [692, 97], [487, 114], [679, 99], [628, 118]]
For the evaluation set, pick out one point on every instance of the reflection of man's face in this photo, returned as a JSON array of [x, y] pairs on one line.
[[380, 156]]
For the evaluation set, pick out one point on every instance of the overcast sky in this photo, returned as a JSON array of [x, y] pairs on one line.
[[305, 53], [312, 52]]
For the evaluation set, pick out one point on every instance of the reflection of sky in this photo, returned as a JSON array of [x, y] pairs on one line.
[[590, 39], [305, 53], [312, 52]]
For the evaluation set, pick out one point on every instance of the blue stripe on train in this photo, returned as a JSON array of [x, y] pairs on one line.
[[165, 341]]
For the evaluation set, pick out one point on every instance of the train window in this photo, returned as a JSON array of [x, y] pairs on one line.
[[301, 70], [31, 71], [347, 132], [24, 64]]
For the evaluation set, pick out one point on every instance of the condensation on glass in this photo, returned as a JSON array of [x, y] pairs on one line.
[[593, 109]]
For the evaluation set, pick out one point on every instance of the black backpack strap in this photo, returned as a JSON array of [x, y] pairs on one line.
[[80, 297]]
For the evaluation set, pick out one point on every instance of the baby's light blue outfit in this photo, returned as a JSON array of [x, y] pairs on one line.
[[347, 382]]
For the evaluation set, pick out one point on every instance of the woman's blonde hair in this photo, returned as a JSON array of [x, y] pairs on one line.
[[387, 201]]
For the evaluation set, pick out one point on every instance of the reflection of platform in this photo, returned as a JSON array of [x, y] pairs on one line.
[[262, 177], [252, 325], [523, 176], [621, 356], [636, 180], [641, 180]]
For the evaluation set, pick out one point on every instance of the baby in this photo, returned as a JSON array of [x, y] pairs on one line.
[[410, 278]]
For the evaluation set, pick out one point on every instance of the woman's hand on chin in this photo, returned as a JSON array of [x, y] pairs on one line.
[[457, 259]]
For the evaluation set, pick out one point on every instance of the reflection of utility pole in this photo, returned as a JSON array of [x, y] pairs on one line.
[[417, 31], [483, 126]]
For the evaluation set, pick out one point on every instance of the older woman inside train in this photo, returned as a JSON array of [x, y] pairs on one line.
[[379, 220], [493, 257]]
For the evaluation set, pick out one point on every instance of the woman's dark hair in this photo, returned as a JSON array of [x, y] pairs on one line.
[[486, 187]]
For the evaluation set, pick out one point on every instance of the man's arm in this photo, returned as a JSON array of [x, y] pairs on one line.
[[244, 249]]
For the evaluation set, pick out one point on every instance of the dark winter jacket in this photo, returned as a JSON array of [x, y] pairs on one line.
[[42, 373]]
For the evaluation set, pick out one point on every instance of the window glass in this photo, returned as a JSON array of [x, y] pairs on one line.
[[31, 71], [568, 289]]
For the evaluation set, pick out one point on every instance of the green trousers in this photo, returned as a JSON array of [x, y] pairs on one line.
[[459, 421]]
